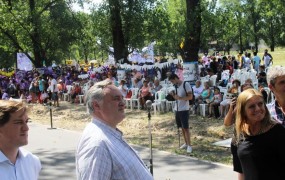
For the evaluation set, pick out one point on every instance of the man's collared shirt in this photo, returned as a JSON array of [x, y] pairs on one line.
[[103, 154], [27, 166], [276, 112]]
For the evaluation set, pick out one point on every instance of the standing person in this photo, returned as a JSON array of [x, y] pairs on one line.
[[54, 90], [259, 139], [256, 61], [16, 162], [228, 121], [102, 153], [247, 61], [182, 97], [267, 59], [42, 88], [276, 83]]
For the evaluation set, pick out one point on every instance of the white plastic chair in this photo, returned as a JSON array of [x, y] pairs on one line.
[[213, 80], [66, 96], [134, 101], [159, 101]]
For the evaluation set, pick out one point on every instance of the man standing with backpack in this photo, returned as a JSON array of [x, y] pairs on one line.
[[181, 108]]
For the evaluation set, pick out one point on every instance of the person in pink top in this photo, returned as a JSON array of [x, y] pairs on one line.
[[145, 94]]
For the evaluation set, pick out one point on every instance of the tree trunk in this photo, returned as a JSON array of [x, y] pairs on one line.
[[191, 47], [35, 36], [272, 39], [120, 50], [240, 38]]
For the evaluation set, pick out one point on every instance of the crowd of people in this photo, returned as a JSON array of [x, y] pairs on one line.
[[102, 153]]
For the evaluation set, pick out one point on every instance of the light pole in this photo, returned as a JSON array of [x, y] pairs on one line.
[[148, 105]]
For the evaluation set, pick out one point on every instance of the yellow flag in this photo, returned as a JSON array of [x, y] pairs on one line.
[[182, 44]]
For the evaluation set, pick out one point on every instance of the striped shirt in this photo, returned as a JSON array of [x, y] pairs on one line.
[[276, 112], [103, 154]]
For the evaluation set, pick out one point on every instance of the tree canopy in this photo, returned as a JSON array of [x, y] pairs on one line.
[[50, 30]]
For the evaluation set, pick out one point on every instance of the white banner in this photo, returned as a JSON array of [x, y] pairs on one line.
[[23, 62], [190, 71], [121, 75]]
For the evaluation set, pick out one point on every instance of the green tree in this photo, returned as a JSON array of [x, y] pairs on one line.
[[42, 27]]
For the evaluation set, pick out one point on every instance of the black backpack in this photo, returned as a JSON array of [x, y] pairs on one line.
[[192, 101]]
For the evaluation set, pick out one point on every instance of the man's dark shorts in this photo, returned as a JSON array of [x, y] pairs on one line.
[[182, 118], [54, 96]]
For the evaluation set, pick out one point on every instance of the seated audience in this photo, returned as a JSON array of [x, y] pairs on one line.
[[145, 94], [232, 92], [123, 87], [215, 101]]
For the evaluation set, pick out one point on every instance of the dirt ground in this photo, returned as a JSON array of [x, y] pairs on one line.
[[204, 131]]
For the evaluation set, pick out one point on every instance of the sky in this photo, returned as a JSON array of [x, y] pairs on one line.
[[76, 7]]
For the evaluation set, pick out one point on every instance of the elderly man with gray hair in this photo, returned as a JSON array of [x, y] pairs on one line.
[[102, 153], [276, 83]]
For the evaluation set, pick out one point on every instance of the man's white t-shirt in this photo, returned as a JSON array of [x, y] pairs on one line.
[[267, 60], [53, 86]]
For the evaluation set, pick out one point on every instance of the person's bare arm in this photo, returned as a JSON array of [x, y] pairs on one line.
[[229, 119]]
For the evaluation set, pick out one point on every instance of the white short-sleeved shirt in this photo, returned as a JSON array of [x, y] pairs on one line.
[[197, 91], [27, 166], [182, 104], [103, 154], [267, 59], [53, 82]]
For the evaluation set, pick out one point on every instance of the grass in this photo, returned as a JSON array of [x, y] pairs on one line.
[[278, 56], [204, 131]]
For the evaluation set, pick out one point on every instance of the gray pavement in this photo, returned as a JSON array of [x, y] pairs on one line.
[[56, 149]]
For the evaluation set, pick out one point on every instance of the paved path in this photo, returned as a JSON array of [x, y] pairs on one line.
[[56, 149]]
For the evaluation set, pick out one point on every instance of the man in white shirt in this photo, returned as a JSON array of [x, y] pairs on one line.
[[15, 162], [54, 90], [267, 59], [102, 153], [182, 95]]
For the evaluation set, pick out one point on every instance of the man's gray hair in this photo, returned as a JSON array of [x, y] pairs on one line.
[[95, 93], [274, 72]]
